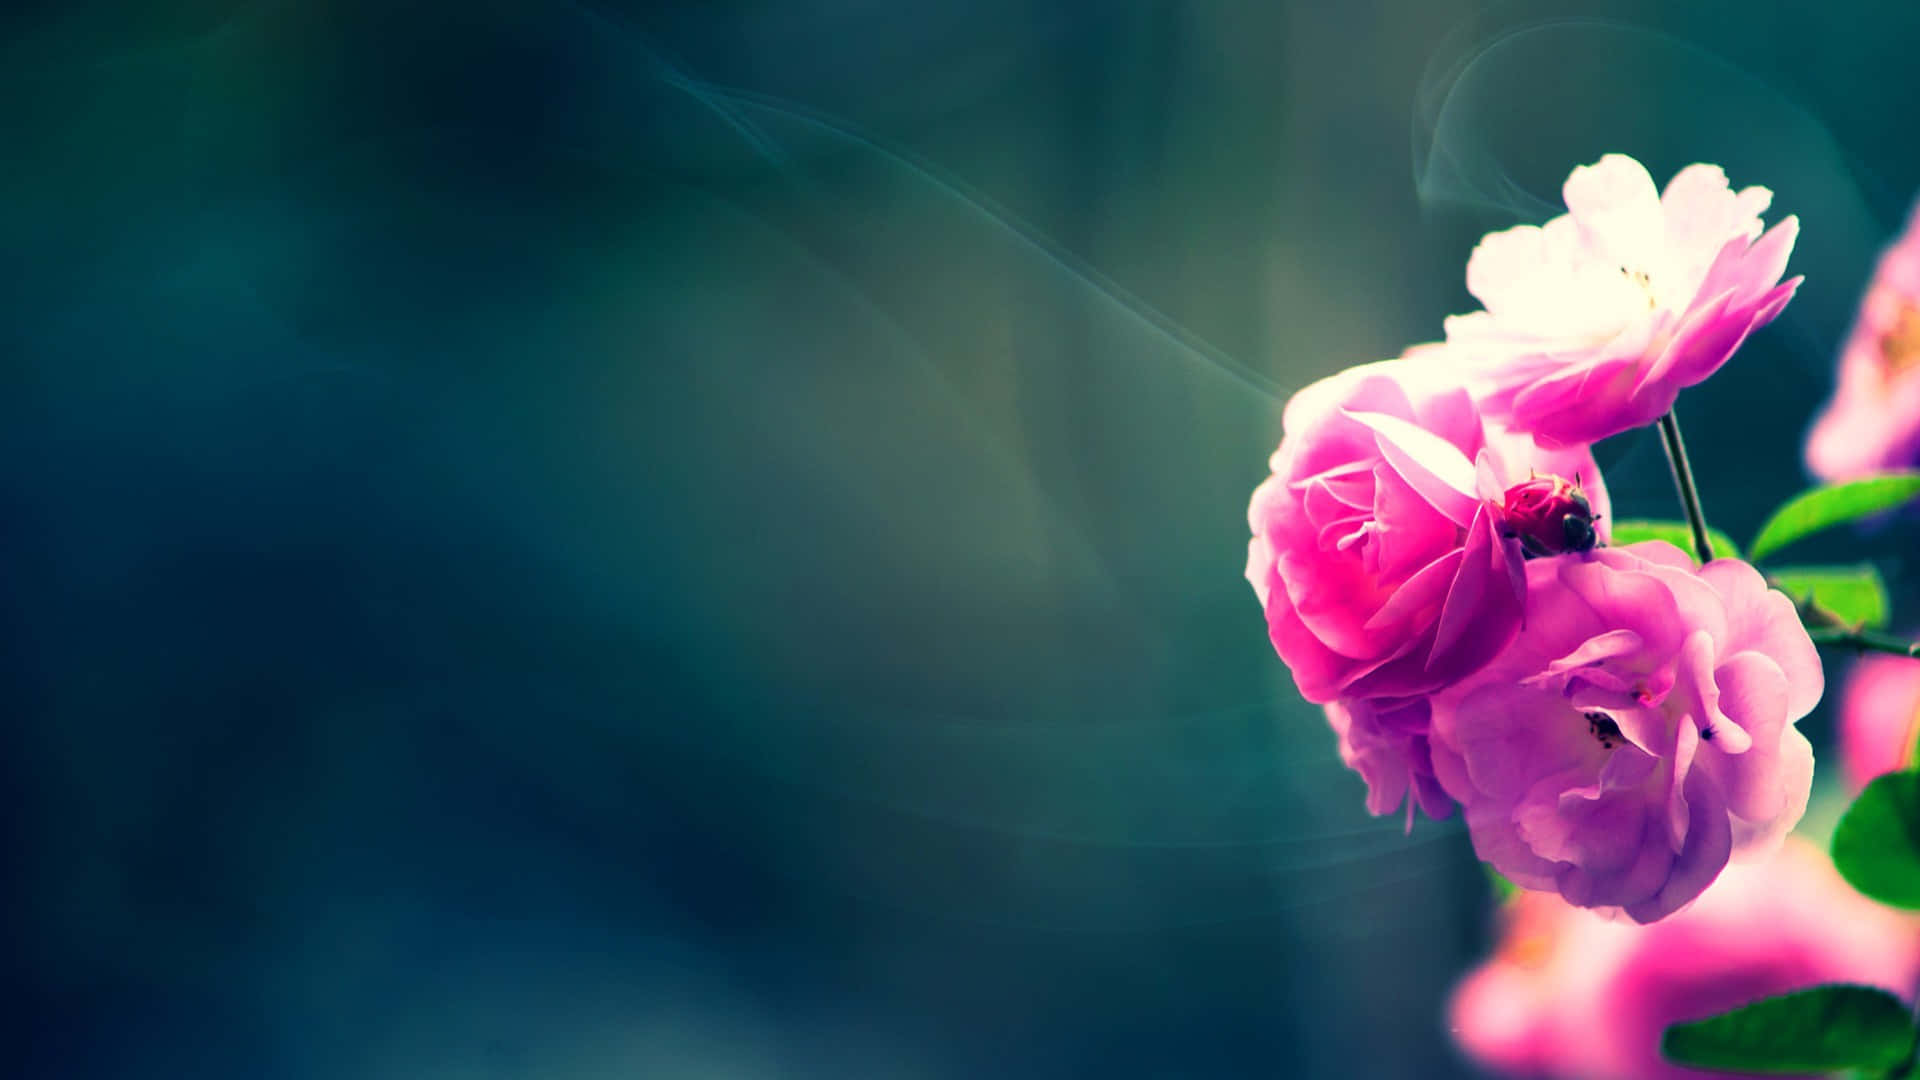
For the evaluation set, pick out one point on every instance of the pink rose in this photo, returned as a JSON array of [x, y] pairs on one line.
[[1378, 547], [1879, 717], [1596, 320], [1571, 994], [1638, 730], [1873, 422]]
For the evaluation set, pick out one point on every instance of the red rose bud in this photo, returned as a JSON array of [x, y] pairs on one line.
[[1549, 516]]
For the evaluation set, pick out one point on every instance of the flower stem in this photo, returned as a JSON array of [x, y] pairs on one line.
[[1683, 483], [1863, 641]]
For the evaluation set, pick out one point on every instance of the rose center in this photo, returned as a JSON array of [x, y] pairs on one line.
[[1645, 282], [1529, 952], [1900, 345], [1604, 730]]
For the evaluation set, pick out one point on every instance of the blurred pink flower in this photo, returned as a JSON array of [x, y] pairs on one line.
[[1378, 549], [1637, 732], [1872, 422], [1879, 717], [1570, 994], [1596, 320]]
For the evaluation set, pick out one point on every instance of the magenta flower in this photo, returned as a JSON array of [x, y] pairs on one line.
[[1571, 994], [1378, 547], [1637, 732], [1596, 320], [1879, 717], [1387, 549], [1873, 421]]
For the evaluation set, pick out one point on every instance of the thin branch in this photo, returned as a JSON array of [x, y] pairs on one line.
[[1683, 483], [1864, 641]]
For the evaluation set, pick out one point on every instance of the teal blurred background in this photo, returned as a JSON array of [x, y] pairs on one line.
[[597, 539]]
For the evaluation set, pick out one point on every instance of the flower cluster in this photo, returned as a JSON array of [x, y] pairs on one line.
[[1568, 994], [1873, 421], [1433, 554]]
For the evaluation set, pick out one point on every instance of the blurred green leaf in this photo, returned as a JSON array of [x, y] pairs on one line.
[[1876, 845], [1503, 890], [1677, 533], [1822, 508], [1808, 1031], [1855, 595]]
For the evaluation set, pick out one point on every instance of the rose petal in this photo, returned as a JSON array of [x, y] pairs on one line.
[[1435, 468]]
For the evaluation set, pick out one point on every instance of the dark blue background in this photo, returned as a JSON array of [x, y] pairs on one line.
[[578, 540]]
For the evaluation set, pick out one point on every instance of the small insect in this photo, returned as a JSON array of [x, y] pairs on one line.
[[1577, 531], [1549, 515]]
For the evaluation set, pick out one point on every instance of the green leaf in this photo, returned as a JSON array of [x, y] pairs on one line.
[[1503, 890], [1808, 1031], [1822, 508], [1854, 595], [1876, 845], [1677, 533]]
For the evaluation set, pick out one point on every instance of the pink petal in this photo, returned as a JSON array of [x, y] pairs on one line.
[[1653, 551], [1502, 265], [1767, 259], [1407, 532], [1418, 600], [1436, 468], [1595, 649], [1753, 697], [1452, 416], [1357, 387], [1318, 672], [1702, 210], [1260, 572], [1709, 843], [1486, 598], [1706, 338], [1764, 620], [1618, 210], [1756, 836], [1333, 596]]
